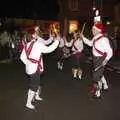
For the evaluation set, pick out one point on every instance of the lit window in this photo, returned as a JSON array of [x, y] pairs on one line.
[[73, 25]]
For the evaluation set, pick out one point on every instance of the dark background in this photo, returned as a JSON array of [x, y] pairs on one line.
[[37, 9]]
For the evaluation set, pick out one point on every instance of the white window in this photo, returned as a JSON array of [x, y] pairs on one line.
[[73, 5]]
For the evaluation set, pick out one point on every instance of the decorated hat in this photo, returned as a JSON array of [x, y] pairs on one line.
[[99, 27]]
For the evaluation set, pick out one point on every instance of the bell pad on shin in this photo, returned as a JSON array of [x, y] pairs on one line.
[[93, 88]]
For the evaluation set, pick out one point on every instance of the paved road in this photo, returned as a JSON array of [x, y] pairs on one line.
[[64, 98]]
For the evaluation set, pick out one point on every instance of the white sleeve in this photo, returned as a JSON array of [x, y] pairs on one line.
[[48, 41], [62, 42], [87, 41], [108, 49], [51, 48]]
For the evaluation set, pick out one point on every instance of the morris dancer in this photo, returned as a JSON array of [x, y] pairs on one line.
[[31, 56], [77, 48], [64, 51], [44, 41], [102, 52], [60, 53]]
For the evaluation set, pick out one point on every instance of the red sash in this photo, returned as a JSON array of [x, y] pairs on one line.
[[77, 54], [104, 54], [28, 51], [73, 44]]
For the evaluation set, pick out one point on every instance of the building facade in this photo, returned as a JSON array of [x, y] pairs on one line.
[[83, 10]]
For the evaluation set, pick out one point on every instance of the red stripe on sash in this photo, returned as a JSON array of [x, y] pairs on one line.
[[28, 51], [104, 54]]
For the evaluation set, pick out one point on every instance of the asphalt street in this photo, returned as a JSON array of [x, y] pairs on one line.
[[64, 98]]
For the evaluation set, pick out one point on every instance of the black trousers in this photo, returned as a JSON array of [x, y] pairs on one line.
[[75, 59], [34, 81], [97, 75]]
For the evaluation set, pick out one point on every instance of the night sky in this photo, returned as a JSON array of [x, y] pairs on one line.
[[38, 9]]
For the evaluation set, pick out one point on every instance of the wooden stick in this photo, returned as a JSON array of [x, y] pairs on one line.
[[98, 67], [83, 28]]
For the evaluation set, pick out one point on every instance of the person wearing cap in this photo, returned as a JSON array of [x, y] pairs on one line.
[[31, 56], [102, 52]]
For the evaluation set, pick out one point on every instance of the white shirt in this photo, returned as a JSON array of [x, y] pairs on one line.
[[36, 52], [46, 42], [62, 42], [68, 44], [77, 46], [102, 45]]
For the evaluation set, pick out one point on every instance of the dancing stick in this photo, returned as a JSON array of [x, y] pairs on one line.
[[83, 28], [97, 68]]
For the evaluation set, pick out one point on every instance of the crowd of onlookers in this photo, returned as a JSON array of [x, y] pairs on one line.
[[9, 42], [114, 37]]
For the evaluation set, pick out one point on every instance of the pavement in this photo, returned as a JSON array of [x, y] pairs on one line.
[[64, 98]]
